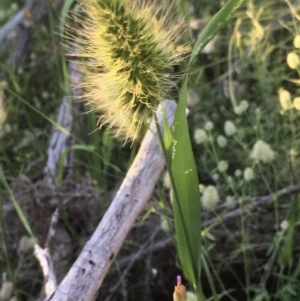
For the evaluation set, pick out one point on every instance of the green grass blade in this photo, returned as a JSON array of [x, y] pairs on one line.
[[214, 26], [63, 130], [183, 170], [19, 210], [64, 14], [186, 192]]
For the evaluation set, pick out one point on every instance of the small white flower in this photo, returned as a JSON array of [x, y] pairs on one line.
[[209, 126], [285, 99], [200, 136], [229, 128], [222, 141], [284, 225], [230, 180], [248, 174], [167, 181], [293, 60], [230, 201], [237, 110], [244, 105], [45, 95], [297, 41], [33, 56], [14, 7], [237, 173], [215, 176], [222, 166], [210, 197], [241, 108], [296, 103], [201, 188], [262, 151]]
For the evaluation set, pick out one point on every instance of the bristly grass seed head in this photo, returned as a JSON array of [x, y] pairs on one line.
[[130, 51]]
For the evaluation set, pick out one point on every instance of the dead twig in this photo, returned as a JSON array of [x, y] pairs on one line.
[[61, 137], [44, 258]]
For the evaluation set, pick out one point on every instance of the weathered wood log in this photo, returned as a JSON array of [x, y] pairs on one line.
[[15, 35], [61, 137], [87, 273]]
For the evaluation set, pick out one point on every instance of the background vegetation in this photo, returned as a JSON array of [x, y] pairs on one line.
[[244, 106]]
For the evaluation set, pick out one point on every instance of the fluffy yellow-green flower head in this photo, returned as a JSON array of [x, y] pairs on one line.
[[130, 50]]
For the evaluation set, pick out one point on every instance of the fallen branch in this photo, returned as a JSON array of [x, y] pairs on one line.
[[61, 137], [87, 273], [255, 202], [16, 34]]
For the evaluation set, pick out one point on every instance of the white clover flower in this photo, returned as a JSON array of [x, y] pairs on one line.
[[200, 136], [193, 98], [222, 141], [284, 225], [229, 128], [257, 112], [293, 60], [210, 197], [33, 56], [248, 174], [201, 188], [296, 103], [297, 41], [209, 126], [222, 166], [215, 176], [285, 99], [230, 201], [14, 7], [230, 180], [262, 151], [237, 173], [244, 105], [241, 108], [237, 110], [45, 95], [167, 181]]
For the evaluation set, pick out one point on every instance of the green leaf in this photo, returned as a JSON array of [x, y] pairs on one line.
[[182, 167], [214, 26], [186, 195], [19, 210]]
